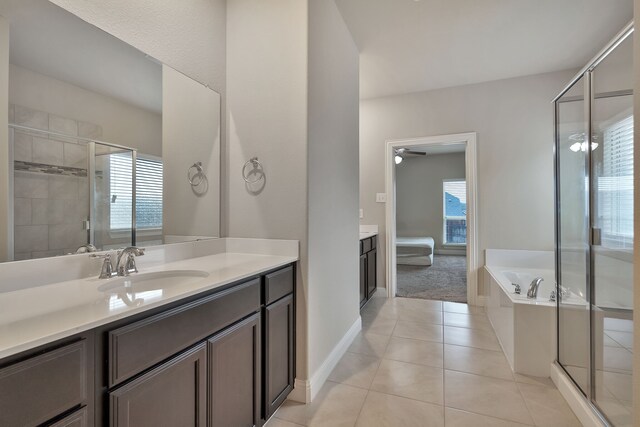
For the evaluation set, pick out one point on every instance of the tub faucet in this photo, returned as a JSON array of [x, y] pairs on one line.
[[533, 288]]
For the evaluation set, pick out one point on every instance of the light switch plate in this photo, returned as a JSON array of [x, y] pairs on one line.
[[361, 213], [381, 197]]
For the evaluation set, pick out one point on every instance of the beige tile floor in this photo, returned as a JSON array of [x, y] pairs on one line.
[[427, 363]]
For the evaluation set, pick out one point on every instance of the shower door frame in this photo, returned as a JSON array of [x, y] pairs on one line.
[[589, 97]]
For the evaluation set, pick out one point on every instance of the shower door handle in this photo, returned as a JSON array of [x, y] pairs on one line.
[[596, 236]]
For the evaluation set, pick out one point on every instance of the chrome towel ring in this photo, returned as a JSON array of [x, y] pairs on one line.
[[196, 178], [257, 171]]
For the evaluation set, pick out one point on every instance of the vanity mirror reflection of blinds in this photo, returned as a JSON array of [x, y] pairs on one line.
[[615, 186], [149, 175]]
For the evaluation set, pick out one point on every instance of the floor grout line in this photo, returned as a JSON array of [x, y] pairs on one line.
[[490, 416]]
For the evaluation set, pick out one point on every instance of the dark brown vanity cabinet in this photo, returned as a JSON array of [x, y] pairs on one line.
[[235, 375], [47, 386], [172, 394], [279, 351], [363, 280], [279, 345], [79, 418], [219, 359], [368, 268]]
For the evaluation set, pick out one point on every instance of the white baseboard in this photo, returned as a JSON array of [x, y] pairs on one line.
[[574, 398], [301, 391], [306, 391], [481, 300]]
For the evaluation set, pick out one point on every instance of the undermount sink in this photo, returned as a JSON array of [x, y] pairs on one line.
[[142, 282]]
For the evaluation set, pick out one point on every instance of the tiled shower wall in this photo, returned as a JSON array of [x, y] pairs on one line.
[[49, 208]]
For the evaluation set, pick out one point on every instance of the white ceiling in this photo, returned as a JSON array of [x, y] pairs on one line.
[[51, 41], [416, 45]]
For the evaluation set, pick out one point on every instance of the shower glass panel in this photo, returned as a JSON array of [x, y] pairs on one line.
[[594, 230], [612, 219], [573, 250], [113, 213]]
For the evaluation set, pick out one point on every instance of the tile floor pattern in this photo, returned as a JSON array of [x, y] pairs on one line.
[[427, 363]]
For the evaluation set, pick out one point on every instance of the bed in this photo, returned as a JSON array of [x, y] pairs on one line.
[[414, 250]]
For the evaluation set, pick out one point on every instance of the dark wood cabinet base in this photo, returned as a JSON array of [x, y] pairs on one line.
[[368, 269], [222, 358]]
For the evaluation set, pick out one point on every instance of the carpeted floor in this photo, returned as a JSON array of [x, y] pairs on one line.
[[445, 280]]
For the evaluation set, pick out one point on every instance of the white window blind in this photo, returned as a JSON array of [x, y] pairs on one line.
[[148, 192], [615, 186], [454, 212]]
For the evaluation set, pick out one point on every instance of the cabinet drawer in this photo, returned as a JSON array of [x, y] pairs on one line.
[[361, 248], [366, 245], [374, 242], [278, 284], [53, 382], [77, 419], [143, 344]]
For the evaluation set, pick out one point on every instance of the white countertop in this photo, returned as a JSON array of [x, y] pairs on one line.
[[39, 315], [367, 234]]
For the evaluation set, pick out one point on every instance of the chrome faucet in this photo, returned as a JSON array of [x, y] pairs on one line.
[[107, 270], [126, 262], [533, 288]]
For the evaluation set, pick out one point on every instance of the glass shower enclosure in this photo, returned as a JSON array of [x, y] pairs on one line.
[[594, 230], [68, 192]]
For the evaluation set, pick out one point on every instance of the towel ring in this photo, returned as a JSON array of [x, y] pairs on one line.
[[256, 165], [199, 173]]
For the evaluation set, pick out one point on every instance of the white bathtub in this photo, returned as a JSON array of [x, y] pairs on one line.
[[526, 328]]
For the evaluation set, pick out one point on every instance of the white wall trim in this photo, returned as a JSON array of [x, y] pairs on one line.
[[306, 390], [481, 301], [469, 139], [301, 391], [574, 398]]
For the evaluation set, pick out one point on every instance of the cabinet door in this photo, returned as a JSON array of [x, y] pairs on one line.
[[234, 375], [363, 279], [371, 272], [279, 353], [173, 394]]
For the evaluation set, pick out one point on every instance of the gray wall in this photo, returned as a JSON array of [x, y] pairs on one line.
[[514, 121], [292, 91], [267, 117], [419, 194], [190, 133], [333, 181]]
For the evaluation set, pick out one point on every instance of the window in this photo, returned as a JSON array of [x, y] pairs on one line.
[[148, 192], [615, 186], [455, 212]]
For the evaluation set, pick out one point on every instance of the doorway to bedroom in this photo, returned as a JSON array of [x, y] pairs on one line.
[[432, 218], [431, 222]]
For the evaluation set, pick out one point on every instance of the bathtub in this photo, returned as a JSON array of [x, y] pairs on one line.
[[526, 328]]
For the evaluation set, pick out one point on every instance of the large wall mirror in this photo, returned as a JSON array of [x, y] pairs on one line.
[[105, 145]]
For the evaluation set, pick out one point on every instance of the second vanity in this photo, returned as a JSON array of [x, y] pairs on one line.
[[368, 265], [204, 335]]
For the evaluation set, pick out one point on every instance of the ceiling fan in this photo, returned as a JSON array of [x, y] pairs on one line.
[[401, 153]]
